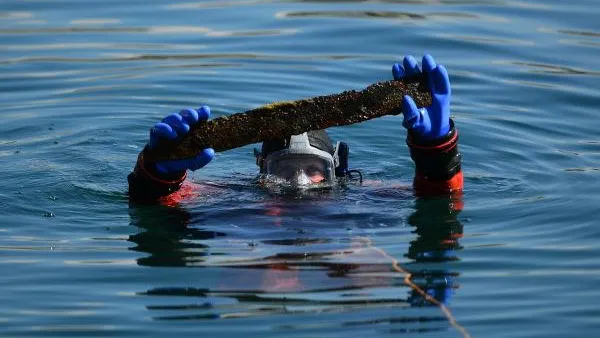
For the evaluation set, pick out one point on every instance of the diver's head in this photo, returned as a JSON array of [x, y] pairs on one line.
[[303, 160]]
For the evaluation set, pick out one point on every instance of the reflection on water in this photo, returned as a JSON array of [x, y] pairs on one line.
[[315, 275], [167, 237]]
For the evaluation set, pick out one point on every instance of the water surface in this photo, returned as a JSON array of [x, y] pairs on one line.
[[82, 82]]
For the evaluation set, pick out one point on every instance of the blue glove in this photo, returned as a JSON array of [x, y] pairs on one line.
[[174, 126], [432, 122]]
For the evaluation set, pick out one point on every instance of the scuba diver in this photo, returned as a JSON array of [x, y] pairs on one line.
[[310, 159], [176, 236]]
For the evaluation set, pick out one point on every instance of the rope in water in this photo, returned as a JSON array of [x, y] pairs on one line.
[[408, 281]]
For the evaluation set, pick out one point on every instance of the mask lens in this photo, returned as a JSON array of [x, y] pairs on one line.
[[309, 169]]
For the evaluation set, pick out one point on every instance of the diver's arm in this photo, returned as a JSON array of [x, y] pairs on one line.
[[146, 184], [149, 182], [438, 163], [432, 136]]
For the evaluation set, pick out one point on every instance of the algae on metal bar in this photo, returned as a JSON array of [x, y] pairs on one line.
[[281, 119]]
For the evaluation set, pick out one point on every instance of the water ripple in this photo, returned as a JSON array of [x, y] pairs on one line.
[[492, 40], [83, 81], [16, 15], [141, 57], [579, 33], [534, 67], [147, 30], [72, 46], [220, 4], [351, 14]]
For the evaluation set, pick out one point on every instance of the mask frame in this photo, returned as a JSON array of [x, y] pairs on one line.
[[299, 144]]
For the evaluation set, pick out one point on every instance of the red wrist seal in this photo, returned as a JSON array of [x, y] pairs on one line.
[[146, 183]]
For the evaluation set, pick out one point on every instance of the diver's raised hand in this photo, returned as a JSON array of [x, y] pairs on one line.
[[173, 127], [432, 122]]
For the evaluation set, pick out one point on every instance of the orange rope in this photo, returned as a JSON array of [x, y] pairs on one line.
[[408, 281]]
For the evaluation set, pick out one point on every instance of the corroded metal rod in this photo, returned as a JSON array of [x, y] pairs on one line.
[[282, 119]]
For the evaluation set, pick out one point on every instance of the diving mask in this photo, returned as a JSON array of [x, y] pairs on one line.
[[301, 164]]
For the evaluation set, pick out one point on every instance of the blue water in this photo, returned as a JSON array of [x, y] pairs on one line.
[[81, 82]]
